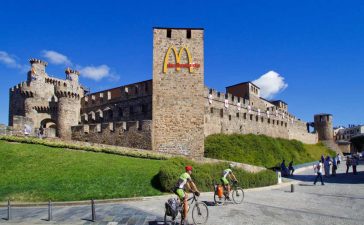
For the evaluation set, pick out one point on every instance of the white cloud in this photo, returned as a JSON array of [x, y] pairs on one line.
[[11, 62], [270, 84], [56, 58], [96, 72], [92, 72]]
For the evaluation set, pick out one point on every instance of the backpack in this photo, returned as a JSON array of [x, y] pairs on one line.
[[172, 207]]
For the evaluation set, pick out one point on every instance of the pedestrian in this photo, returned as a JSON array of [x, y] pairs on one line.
[[290, 167], [334, 166], [348, 164], [318, 171], [322, 159], [338, 159], [41, 132], [354, 162], [327, 164], [284, 169]]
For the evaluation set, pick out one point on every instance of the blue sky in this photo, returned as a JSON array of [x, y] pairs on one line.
[[315, 48]]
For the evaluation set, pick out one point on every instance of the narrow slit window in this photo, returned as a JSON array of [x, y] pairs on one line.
[[188, 33], [169, 33]]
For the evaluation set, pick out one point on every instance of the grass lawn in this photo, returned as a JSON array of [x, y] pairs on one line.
[[31, 172]]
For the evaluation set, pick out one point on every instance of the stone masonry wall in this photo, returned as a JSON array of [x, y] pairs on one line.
[[178, 110], [126, 103], [134, 134], [222, 115]]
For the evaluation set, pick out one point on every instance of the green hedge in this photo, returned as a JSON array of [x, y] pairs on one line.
[[204, 175], [112, 150], [261, 150]]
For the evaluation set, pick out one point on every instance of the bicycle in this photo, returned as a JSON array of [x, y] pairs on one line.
[[200, 212], [236, 192]]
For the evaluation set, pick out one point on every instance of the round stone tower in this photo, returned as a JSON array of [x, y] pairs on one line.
[[69, 96], [323, 126]]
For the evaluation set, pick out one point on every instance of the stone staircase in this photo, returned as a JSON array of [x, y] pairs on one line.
[[333, 146]]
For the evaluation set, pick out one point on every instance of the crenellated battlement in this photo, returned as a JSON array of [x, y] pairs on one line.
[[135, 134], [122, 93], [221, 103], [69, 91], [37, 61], [70, 71]]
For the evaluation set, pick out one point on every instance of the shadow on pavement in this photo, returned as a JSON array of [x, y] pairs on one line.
[[156, 223], [209, 203], [340, 178]]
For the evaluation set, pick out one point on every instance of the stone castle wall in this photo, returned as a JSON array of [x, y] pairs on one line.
[[134, 134], [131, 102], [222, 115]]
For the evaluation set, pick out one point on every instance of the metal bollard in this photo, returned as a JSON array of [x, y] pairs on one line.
[[49, 210], [93, 216], [292, 188], [9, 210]]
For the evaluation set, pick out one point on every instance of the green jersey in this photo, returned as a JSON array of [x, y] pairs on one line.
[[226, 172], [183, 179]]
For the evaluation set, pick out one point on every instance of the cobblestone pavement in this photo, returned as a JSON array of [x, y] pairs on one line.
[[339, 201]]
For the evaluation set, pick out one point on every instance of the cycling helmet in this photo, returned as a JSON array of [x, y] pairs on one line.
[[188, 168]]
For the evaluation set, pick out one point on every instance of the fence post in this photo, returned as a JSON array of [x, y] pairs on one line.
[[9, 210], [49, 210], [93, 216]]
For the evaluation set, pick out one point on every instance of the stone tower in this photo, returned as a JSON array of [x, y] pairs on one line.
[[178, 89], [323, 126], [69, 104]]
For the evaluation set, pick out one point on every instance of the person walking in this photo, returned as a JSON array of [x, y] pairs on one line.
[[327, 164], [354, 162], [318, 171], [348, 164], [322, 159], [338, 159], [284, 169], [334, 166], [290, 168]]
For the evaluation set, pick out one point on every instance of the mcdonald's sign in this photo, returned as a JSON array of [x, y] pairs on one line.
[[177, 56]]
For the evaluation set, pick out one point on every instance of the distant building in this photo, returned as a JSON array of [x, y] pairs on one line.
[[344, 135]]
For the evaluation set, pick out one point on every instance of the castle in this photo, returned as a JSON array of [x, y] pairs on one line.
[[172, 113]]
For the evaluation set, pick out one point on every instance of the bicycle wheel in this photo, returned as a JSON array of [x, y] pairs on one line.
[[238, 195], [200, 213]]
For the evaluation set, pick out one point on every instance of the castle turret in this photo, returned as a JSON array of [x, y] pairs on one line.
[[69, 104], [72, 75], [37, 70], [323, 126]]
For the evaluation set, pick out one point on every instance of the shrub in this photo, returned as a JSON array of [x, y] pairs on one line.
[[261, 150], [205, 174]]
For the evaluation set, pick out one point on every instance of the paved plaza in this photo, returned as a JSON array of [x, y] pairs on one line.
[[339, 201]]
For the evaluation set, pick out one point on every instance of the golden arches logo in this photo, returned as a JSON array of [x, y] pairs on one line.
[[178, 55]]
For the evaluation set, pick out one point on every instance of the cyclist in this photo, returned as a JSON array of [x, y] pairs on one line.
[[185, 182], [228, 173]]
